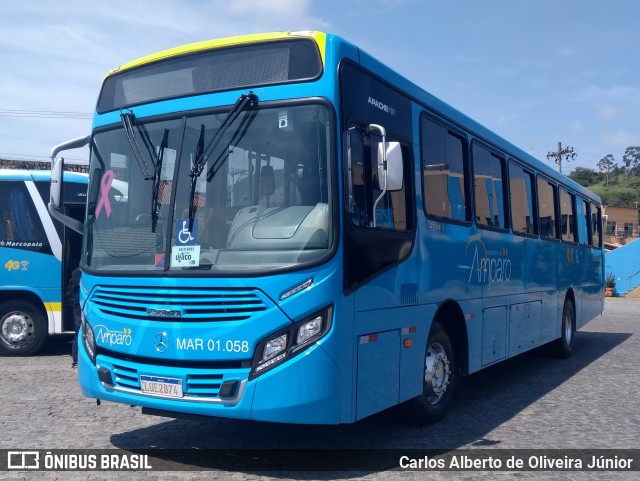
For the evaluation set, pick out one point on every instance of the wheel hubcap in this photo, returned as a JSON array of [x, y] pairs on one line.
[[436, 373], [568, 328], [17, 327]]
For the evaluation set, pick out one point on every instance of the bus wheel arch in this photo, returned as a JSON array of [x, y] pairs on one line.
[[445, 356], [23, 324], [450, 315]]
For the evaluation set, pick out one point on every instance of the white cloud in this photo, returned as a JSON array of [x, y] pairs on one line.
[[577, 127], [623, 93], [608, 112], [504, 118], [620, 138]]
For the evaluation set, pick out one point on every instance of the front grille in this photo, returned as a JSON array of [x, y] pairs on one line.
[[204, 384], [184, 303], [126, 376], [200, 382]]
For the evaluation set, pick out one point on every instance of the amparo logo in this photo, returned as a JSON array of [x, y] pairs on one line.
[[113, 338], [488, 267]]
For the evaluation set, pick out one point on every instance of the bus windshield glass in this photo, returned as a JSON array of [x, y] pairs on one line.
[[261, 202]]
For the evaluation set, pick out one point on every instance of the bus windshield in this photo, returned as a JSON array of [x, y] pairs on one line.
[[262, 200]]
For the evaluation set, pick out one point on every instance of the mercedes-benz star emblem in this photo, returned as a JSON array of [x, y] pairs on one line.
[[161, 341]]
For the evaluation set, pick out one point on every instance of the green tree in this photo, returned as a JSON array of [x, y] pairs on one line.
[[631, 160], [585, 176], [606, 165]]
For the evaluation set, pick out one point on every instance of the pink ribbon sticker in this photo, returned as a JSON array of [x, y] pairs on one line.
[[105, 186]]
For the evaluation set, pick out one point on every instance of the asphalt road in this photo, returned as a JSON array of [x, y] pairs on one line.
[[589, 401]]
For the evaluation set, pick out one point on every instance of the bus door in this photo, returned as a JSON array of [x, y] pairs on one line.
[[75, 195], [379, 235], [71, 250]]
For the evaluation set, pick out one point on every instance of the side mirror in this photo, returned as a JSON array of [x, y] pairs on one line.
[[57, 168], [56, 196], [392, 168], [388, 159]]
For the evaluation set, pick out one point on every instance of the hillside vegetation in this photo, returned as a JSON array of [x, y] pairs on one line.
[[618, 186], [620, 191]]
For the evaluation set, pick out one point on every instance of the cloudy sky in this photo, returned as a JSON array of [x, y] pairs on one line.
[[537, 72]]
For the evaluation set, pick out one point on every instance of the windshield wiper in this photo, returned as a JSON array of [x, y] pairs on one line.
[[155, 199], [127, 123], [203, 153], [237, 136], [156, 160]]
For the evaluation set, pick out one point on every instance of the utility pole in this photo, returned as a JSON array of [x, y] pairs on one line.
[[567, 153]]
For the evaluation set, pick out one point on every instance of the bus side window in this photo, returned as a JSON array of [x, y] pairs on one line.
[[357, 199], [584, 236], [546, 209], [567, 216], [444, 172], [521, 190], [488, 172], [20, 220], [596, 223]]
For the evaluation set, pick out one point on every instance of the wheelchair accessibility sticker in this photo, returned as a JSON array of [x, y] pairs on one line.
[[184, 236], [186, 251]]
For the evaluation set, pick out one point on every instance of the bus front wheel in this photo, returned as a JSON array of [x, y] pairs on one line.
[[23, 329], [440, 377]]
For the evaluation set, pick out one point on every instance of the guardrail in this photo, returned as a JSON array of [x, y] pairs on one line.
[[629, 279]]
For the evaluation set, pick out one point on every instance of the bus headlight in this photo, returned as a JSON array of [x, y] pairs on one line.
[[309, 329], [291, 341], [274, 347], [88, 339]]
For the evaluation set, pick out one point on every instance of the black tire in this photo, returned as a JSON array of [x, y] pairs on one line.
[[563, 347], [23, 328], [440, 378]]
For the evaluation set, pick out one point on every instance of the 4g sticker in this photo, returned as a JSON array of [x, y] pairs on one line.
[[12, 265]]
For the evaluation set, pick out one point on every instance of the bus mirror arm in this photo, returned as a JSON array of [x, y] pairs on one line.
[[69, 145], [381, 162], [389, 163], [56, 198]]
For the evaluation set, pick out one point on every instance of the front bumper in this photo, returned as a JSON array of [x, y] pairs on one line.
[[304, 390]]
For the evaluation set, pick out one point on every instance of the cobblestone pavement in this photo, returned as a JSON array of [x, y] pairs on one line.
[[590, 401]]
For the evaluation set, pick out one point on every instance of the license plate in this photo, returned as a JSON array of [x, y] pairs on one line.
[[161, 386]]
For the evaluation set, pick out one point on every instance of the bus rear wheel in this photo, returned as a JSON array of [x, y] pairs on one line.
[[23, 329], [440, 377]]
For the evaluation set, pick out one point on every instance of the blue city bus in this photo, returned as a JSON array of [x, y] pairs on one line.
[[37, 256], [308, 237]]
